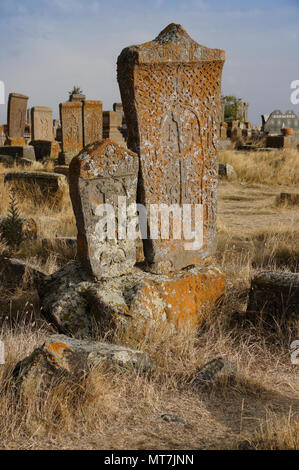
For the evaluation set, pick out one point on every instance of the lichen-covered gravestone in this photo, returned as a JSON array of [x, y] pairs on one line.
[[16, 116], [101, 174], [72, 128], [92, 121], [42, 123], [170, 89]]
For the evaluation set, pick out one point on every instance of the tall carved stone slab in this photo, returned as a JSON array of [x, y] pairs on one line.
[[16, 118], [92, 121], [99, 175], [170, 89], [72, 126], [42, 123]]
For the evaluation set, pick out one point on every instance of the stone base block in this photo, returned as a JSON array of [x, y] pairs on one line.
[[26, 151], [282, 141], [49, 183], [46, 149], [274, 296], [72, 301], [15, 141]]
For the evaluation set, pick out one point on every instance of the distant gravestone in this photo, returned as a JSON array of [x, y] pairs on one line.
[[92, 121], [170, 89], [277, 120], [72, 127], [99, 175], [42, 123], [16, 118], [112, 122]]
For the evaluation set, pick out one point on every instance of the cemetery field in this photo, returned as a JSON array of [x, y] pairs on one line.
[[117, 409]]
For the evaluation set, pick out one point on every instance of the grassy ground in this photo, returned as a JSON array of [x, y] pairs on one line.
[[114, 409]]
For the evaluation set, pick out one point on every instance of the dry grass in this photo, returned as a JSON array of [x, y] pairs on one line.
[[277, 167], [114, 409]]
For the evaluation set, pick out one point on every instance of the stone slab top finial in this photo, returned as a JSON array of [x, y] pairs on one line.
[[173, 44]]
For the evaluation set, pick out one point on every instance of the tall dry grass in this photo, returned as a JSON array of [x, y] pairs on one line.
[[280, 167]]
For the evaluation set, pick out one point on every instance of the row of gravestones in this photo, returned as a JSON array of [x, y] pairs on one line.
[[83, 122]]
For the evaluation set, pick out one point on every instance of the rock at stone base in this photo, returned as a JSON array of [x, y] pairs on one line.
[[72, 301], [63, 356], [13, 272], [19, 151], [214, 370], [226, 171], [274, 295], [49, 183]]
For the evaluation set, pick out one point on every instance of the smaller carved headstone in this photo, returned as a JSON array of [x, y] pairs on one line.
[[16, 118], [101, 174]]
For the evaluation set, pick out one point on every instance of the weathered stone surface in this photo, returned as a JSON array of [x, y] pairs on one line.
[[49, 183], [217, 369], [69, 357], [226, 171], [77, 97], [99, 175], [16, 117], [72, 302], [26, 151], [170, 89], [29, 227], [274, 296], [42, 123], [13, 272], [72, 126], [92, 122]]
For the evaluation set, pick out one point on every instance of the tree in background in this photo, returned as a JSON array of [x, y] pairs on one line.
[[231, 108]]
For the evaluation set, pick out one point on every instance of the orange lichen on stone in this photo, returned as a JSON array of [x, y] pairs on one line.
[[15, 142], [56, 354], [182, 299]]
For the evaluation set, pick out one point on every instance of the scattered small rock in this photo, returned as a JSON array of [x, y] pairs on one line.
[[63, 356], [212, 371], [226, 171], [170, 418]]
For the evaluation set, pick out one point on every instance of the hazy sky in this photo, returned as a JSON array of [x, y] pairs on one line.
[[47, 46]]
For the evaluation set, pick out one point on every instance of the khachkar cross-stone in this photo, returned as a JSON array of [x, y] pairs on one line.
[[170, 89]]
